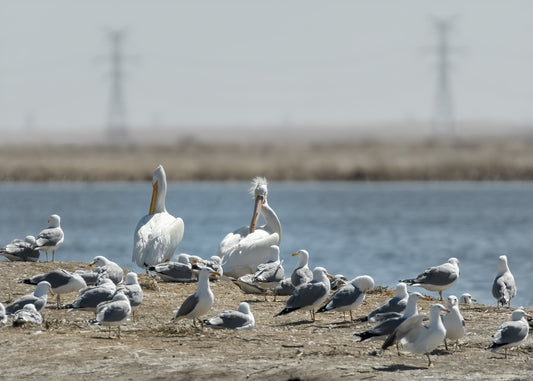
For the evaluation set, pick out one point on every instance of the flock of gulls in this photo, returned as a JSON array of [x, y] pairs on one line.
[[250, 258]]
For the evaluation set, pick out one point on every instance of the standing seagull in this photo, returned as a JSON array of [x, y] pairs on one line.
[[511, 333], [133, 291], [308, 296], [158, 233], [21, 250], [62, 282], [244, 249], [200, 302], [240, 319], [438, 278], [114, 312], [453, 321], [418, 338], [50, 238], [349, 296], [504, 286]]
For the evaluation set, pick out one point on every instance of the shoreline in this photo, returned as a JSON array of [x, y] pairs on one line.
[[288, 347]]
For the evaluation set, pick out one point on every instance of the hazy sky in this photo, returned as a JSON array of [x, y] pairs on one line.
[[255, 63]]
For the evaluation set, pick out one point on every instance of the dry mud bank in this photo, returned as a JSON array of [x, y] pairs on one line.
[[69, 346]]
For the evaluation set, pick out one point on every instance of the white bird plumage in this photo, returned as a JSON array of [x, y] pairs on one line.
[[453, 321], [511, 333], [504, 286], [158, 233], [245, 248], [50, 238]]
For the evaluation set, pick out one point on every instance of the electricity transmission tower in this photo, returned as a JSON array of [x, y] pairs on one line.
[[443, 119], [116, 123]]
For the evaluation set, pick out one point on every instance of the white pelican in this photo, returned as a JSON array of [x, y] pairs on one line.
[[158, 233], [245, 248]]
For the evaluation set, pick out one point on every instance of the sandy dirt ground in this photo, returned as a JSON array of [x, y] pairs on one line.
[[68, 346]]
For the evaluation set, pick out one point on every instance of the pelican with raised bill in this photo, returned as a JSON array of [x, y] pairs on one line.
[[158, 233], [247, 247]]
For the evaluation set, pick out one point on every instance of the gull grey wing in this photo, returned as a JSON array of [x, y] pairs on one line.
[[344, 296], [403, 330], [306, 294], [439, 275], [188, 305]]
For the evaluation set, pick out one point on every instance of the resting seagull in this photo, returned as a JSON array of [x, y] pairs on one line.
[[180, 271], [309, 296], [21, 250], [3, 315], [511, 333], [107, 269], [158, 233], [61, 281], [27, 315], [200, 302], [240, 319], [418, 338], [385, 327], [349, 296], [268, 275], [38, 298], [504, 286], [50, 238], [88, 298], [301, 274], [466, 298], [245, 248], [438, 278], [392, 307]]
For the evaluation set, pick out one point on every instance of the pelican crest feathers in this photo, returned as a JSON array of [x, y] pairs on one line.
[[257, 182]]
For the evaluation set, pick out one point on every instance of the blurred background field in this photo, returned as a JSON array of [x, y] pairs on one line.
[[501, 159]]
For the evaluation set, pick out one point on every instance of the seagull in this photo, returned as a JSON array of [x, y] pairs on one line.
[[349, 296], [3, 315], [504, 286], [453, 322], [245, 248], [50, 238], [268, 275], [38, 298], [180, 271], [61, 281], [133, 291], [200, 302], [385, 327], [114, 312], [27, 315], [88, 298], [21, 250], [240, 319], [438, 278], [158, 233], [511, 333], [301, 274], [246, 284], [394, 305], [108, 269], [466, 298], [308, 296], [418, 338]]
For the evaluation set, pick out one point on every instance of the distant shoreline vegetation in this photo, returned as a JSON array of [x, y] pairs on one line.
[[465, 159]]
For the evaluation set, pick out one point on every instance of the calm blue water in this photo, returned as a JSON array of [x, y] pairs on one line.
[[387, 230]]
